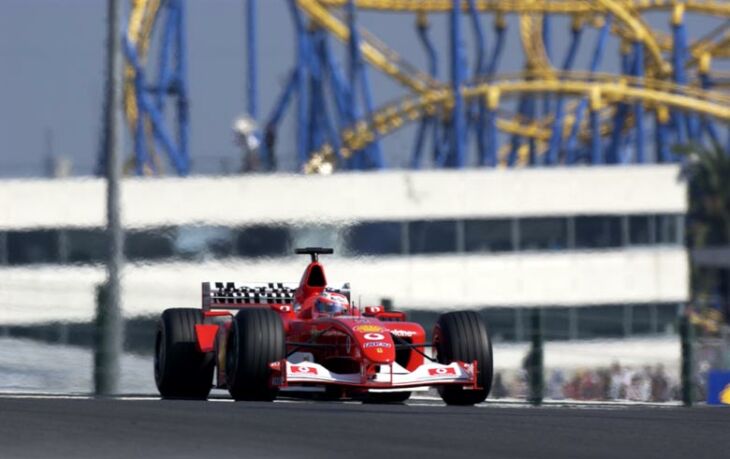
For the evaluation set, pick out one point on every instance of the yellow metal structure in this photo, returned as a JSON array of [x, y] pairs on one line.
[[655, 92]]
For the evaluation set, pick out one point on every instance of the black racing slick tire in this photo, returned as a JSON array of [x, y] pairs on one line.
[[463, 335], [255, 340], [181, 371]]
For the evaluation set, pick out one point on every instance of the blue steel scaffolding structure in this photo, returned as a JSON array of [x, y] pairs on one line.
[[563, 115]]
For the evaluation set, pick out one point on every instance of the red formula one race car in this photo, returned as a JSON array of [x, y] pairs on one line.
[[311, 339]]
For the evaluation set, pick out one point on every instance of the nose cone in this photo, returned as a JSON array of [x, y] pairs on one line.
[[376, 343]]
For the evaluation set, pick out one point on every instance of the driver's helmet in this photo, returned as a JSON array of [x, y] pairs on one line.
[[331, 303]]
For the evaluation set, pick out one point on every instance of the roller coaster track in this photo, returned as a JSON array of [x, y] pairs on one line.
[[600, 89], [142, 18], [431, 98], [375, 53], [710, 7], [627, 13], [390, 63], [715, 44], [533, 44]]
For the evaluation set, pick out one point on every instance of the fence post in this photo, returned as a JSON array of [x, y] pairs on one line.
[[109, 326], [107, 353], [534, 361], [686, 336]]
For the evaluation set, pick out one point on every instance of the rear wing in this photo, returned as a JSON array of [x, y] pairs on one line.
[[229, 295]]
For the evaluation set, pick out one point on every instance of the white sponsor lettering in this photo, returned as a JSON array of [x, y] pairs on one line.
[[404, 333], [376, 344]]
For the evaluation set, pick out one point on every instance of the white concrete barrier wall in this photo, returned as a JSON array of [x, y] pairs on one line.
[[393, 195], [44, 293]]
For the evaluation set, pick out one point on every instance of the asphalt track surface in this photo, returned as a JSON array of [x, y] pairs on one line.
[[80, 428]]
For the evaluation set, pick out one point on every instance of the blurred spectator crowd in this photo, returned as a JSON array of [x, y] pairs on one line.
[[647, 384]]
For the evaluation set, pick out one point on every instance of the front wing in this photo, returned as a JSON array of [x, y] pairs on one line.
[[393, 376]]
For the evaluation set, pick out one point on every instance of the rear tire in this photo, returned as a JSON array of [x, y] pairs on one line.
[[255, 340], [463, 336], [181, 371]]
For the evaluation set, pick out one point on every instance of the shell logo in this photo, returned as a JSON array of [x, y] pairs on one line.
[[725, 395], [368, 328]]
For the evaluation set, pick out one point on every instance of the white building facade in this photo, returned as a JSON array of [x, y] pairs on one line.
[[431, 240]]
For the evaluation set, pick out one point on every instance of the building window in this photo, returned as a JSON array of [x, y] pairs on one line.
[[641, 319], [640, 229], [556, 323], [666, 317], [203, 242], [543, 234], [86, 245], [597, 232], [667, 229], [488, 235], [29, 247], [601, 321], [501, 323], [3, 248], [432, 236], [154, 244], [374, 238], [263, 241]]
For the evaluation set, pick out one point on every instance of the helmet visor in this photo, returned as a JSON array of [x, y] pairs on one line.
[[329, 307]]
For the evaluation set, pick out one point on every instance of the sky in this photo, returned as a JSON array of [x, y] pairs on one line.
[[52, 70]]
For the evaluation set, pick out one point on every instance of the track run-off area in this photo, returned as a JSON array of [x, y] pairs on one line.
[[56, 426]]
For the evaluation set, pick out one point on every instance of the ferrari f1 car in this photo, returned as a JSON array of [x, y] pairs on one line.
[[260, 341]]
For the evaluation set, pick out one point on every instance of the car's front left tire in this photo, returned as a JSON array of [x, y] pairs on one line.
[[463, 336], [255, 340]]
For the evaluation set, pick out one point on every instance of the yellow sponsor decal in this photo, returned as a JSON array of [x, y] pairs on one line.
[[379, 350], [368, 328], [725, 395]]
